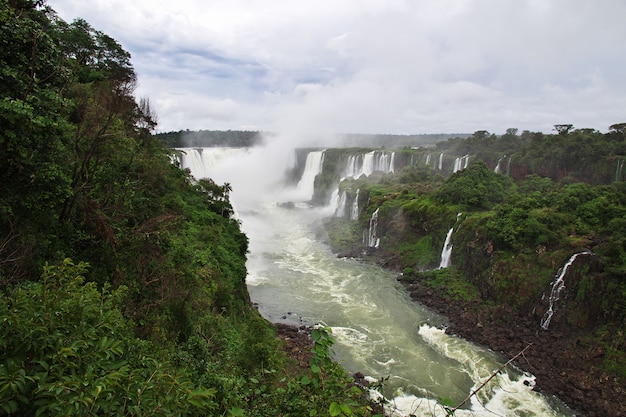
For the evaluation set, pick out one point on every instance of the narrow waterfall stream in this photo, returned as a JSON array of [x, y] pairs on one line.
[[296, 279]]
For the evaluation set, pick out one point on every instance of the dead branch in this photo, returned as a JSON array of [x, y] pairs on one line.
[[452, 411]]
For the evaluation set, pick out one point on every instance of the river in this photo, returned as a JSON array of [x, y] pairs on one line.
[[294, 278]]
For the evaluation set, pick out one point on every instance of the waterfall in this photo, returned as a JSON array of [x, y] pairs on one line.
[[440, 161], [446, 252], [354, 166], [460, 163], [354, 212], [368, 163], [497, 169], [371, 239], [313, 167], [457, 165], [200, 161], [508, 167], [619, 170], [427, 160], [558, 285], [338, 199], [379, 330]]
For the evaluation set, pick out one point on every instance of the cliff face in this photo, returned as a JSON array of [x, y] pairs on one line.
[[500, 299], [511, 235]]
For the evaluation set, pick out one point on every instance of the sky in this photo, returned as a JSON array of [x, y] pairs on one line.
[[371, 66]]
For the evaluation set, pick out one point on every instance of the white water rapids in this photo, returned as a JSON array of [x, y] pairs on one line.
[[294, 278]]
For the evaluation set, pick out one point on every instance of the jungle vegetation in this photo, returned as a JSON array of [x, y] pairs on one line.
[[122, 278], [524, 204]]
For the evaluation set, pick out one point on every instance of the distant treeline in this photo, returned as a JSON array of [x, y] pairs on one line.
[[243, 138], [209, 138], [398, 141]]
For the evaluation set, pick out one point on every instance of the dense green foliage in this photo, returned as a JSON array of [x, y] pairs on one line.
[[142, 307], [514, 226], [69, 350]]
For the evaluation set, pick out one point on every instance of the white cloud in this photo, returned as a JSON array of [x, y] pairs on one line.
[[399, 66]]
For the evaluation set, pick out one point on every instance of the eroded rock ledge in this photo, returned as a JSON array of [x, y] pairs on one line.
[[564, 364]]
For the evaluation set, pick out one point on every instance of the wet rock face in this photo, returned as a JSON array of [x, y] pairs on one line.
[[564, 364], [508, 315]]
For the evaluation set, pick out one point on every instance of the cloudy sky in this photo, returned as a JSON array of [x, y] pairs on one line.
[[372, 66]]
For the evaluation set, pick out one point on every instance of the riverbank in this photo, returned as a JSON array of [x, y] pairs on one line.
[[565, 365]]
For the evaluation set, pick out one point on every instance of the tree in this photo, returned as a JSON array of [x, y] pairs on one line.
[[34, 174], [618, 129], [563, 129], [480, 134]]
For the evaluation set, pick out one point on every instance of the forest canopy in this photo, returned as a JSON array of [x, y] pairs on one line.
[[122, 278]]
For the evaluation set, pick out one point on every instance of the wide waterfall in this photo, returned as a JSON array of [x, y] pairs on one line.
[[294, 278], [201, 161], [558, 285], [313, 167], [368, 163]]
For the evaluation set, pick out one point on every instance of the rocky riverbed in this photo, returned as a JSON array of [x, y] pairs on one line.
[[565, 365]]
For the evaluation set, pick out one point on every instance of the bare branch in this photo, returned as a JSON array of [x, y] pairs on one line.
[[489, 379]]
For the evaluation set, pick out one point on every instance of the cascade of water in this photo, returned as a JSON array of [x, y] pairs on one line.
[[497, 169], [619, 169], [354, 166], [372, 317], [340, 211], [446, 252], [460, 163], [354, 213], [440, 161], [313, 167], [508, 167], [427, 160], [200, 160], [366, 164], [371, 239], [558, 285], [457, 165]]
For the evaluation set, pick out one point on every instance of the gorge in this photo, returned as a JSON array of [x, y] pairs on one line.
[[296, 279]]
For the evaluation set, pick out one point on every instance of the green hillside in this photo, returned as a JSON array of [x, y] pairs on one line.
[[122, 278]]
